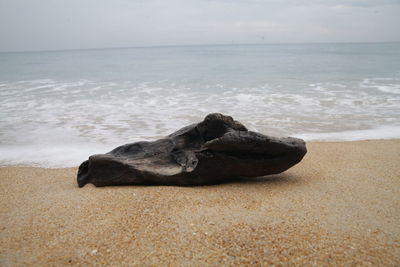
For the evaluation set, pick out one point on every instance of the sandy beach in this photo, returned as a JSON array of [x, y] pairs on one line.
[[339, 206]]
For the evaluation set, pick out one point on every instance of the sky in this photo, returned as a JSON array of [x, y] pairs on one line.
[[27, 25]]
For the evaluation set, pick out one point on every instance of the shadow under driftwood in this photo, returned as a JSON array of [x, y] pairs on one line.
[[276, 179], [282, 178]]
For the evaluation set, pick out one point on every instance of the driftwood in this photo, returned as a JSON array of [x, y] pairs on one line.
[[210, 152]]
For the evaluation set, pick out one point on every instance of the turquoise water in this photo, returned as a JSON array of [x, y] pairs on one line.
[[58, 107]]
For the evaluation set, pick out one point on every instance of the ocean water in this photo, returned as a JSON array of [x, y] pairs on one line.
[[59, 107]]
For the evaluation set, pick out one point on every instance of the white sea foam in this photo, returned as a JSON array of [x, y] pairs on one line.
[[53, 156], [386, 85], [57, 123], [384, 132], [390, 88]]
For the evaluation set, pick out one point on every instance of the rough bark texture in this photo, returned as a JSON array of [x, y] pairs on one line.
[[210, 152]]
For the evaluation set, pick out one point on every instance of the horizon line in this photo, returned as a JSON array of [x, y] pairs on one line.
[[191, 45]]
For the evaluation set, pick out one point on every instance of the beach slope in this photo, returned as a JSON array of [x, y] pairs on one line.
[[339, 206]]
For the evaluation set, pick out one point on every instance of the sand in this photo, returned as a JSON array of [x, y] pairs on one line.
[[339, 206]]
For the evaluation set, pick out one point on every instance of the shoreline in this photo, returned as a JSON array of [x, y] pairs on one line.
[[339, 206], [67, 164]]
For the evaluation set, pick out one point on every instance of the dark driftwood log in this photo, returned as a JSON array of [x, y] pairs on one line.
[[212, 151]]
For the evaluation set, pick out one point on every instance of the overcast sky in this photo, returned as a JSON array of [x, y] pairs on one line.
[[75, 24]]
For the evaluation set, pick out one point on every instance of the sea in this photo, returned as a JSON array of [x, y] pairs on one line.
[[59, 107]]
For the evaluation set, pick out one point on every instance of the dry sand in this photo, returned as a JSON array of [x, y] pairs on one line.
[[339, 206]]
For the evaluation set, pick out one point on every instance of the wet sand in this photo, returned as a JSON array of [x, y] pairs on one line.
[[339, 206]]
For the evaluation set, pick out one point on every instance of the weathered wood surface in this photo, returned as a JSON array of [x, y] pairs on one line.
[[210, 152]]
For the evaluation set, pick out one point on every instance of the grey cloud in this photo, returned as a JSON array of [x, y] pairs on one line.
[[314, 2], [56, 24]]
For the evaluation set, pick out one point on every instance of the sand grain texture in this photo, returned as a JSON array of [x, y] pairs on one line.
[[339, 206]]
